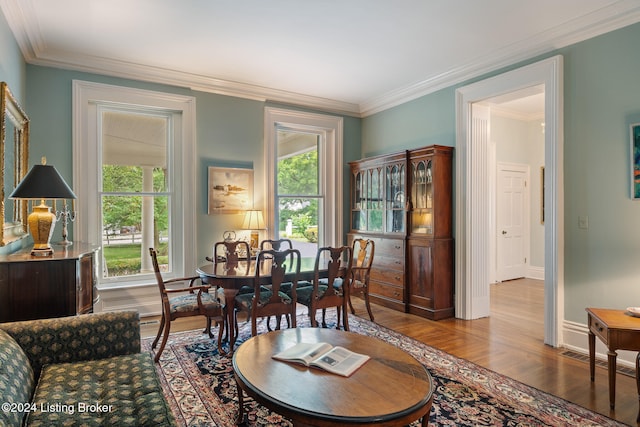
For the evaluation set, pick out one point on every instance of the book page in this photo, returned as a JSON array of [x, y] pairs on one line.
[[340, 361], [303, 352]]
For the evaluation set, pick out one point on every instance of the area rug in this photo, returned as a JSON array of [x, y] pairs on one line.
[[199, 385]]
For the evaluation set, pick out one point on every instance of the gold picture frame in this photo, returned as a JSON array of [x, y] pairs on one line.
[[14, 162], [230, 190]]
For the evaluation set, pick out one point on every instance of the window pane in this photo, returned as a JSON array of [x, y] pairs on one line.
[[298, 219], [297, 163], [129, 179], [123, 231]]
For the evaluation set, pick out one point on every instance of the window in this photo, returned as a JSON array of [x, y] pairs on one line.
[[142, 145], [304, 167], [135, 190]]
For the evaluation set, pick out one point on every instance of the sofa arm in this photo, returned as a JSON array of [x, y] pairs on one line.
[[76, 338]]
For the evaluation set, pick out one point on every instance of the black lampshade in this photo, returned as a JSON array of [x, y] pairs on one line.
[[43, 182]]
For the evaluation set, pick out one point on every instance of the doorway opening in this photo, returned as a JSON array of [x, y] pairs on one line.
[[475, 163]]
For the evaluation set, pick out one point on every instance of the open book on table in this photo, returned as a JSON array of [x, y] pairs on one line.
[[337, 360]]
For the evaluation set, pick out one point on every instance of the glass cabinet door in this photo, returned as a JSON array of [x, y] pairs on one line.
[[422, 197], [357, 220], [395, 198], [375, 201]]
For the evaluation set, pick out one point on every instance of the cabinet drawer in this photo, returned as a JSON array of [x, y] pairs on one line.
[[383, 246], [389, 247], [387, 263], [386, 290], [394, 277], [600, 330]]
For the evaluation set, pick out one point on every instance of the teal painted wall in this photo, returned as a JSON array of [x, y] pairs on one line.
[[12, 72], [601, 100], [12, 65], [229, 134]]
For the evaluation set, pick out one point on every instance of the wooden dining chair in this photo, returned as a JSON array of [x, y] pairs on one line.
[[268, 298], [362, 252], [276, 244], [329, 291], [189, 300], [231, 252]]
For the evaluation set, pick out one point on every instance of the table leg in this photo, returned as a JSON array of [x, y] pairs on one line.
[[240, 417], [638, 384], [592, 355], [230, 301], [612, 355]]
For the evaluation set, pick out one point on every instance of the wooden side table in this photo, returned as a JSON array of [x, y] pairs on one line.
[[44, 287], [618, 330]]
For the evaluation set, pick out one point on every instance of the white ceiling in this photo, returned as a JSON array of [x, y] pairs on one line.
[[352, 56]]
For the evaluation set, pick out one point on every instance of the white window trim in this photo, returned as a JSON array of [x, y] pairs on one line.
[[331, 129], [86, 96]]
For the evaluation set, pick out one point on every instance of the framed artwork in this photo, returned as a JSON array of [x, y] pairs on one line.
[[635, 161], [230, 190]]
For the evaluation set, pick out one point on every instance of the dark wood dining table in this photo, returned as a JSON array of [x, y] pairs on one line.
[[232, 277]]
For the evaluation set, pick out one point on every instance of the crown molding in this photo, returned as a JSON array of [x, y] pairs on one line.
[[615, 16]]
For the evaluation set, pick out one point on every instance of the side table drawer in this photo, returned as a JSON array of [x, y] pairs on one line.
[[600, 330]]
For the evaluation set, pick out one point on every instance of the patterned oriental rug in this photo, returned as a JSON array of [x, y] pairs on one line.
[[199, 385]]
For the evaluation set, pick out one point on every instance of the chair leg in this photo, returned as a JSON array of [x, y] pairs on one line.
[[312, 316], [160, 328], [208, 328], [324, 315], [221, 328], [351, 305], [338, 316], [366, 302], [167, 327], [254, 326], [345, 322]]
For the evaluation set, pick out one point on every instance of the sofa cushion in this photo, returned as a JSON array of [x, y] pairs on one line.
[[117, 391], [16, 380]]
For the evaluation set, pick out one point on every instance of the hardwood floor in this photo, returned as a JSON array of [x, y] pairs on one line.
[[509, 342]]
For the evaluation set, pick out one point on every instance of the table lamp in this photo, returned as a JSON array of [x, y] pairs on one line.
[[42, 182], [254, 221]]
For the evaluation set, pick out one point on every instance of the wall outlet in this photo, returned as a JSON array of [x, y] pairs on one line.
[[583, 222]]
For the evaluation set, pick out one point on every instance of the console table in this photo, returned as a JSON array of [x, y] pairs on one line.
[[43, 287], [618, 330]]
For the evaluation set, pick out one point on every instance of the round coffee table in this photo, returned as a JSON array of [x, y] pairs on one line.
[[392, 388]]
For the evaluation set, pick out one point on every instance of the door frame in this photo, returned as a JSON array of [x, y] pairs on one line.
[[473, 209]]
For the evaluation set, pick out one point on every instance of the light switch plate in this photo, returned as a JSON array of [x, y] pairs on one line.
[[583, 222]]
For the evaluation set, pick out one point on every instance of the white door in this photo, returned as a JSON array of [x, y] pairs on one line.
[[511, 221]]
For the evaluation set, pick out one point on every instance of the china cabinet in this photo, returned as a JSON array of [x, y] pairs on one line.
[[430, 242], [378, 212], [402, 201]]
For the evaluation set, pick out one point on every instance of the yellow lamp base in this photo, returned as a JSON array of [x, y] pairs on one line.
[[41, 223]]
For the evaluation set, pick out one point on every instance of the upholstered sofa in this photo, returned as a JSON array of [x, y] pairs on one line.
[[82, 370]]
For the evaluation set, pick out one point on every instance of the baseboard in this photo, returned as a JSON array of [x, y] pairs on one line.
[[575, 338], [536, 273], [144, 299]]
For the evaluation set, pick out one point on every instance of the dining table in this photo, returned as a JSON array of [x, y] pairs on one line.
[[231, 277]]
